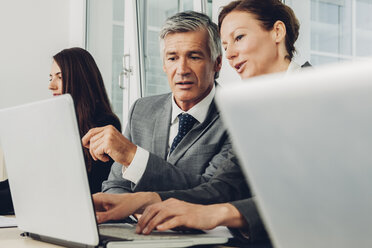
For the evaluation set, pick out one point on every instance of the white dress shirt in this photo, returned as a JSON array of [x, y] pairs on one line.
[[136, 169], [293, 67]]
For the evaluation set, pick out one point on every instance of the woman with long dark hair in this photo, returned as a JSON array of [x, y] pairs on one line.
[[75, 72]]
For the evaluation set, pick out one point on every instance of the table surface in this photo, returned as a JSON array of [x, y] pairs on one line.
[[11, 237]]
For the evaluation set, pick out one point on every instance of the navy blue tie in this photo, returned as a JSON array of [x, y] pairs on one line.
[[185, 123]]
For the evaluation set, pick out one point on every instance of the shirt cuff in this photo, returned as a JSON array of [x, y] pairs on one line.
[[135, 170]]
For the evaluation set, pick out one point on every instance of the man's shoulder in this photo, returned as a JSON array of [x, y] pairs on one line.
[[154, 99], [152, 105]]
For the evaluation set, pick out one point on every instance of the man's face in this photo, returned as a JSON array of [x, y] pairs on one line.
[[189, 68]]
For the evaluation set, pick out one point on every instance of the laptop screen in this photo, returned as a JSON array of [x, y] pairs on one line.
[[305, 143], [46, 169]]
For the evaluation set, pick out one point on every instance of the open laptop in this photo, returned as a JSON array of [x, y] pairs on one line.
[[49, 185], [305, 142]]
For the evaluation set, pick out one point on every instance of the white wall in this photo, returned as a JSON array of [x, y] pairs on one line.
[[3, 174], [31, 33]]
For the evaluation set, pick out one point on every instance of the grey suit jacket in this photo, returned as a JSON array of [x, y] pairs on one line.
[[194, 160], [227, 185]]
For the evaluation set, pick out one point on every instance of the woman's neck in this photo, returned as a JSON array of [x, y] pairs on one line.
[[280, 66]]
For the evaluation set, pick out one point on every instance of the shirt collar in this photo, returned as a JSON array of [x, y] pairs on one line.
[[293, 67], [199, 111]]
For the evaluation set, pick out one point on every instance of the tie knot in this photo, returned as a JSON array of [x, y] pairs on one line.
[[186, 121]]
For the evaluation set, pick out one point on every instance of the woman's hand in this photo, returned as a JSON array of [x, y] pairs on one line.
[[174, 213]]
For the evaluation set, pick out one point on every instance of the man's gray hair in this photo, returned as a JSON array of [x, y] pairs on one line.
[[187, 21]]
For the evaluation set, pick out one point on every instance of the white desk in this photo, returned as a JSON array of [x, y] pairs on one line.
[[10, 237]]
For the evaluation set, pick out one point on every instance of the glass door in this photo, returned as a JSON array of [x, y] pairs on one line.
[[131, 72], [112, 39], [105, 41]]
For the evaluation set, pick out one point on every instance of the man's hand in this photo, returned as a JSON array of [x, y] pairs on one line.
[[174, 213], [120, 206], [106, 141]]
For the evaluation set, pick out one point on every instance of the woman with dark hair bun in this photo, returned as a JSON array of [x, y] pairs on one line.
[[258, 36], [75, 72]]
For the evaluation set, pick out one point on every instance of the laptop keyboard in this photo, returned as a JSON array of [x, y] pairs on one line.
[[127, 231]]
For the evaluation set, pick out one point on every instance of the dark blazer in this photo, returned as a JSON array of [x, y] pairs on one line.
[[194, 161], [6, 204], [227, 185]]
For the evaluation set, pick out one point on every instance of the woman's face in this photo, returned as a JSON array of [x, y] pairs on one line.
[[55, 78], [250, 49]]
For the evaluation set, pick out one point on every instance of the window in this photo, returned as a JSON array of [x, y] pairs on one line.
[[105, 41], [152, 15], [340, 30]]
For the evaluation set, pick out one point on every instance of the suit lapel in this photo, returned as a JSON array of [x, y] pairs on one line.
[[307, 64], [194, 134], [161, 129]]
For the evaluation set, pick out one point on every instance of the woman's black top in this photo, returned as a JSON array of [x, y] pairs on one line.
[[100, 170]]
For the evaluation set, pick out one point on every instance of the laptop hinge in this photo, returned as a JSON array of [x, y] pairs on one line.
[[57, 241]]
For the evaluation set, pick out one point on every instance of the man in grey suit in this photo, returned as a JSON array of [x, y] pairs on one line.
[[227, 187], [175, 140]]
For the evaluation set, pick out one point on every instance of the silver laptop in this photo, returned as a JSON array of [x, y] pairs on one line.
[[305, 142], [49, 185]]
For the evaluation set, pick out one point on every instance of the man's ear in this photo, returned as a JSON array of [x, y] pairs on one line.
[[218, 64], [279, 31]]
